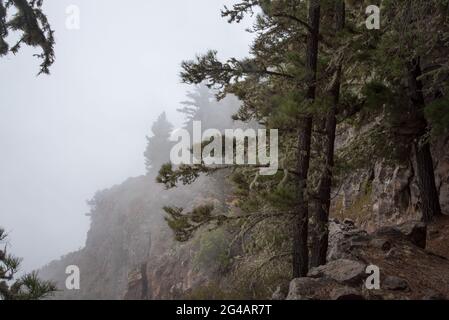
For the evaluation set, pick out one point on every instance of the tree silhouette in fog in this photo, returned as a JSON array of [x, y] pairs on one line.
[[158, 147]]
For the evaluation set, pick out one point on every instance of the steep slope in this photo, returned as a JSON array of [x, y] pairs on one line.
[[127, 232]]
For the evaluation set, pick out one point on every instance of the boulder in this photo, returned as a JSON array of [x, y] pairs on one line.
[[321, 289], [304, 288], [341, 270], [415, 231], [341, 237], [395, 283], [382, 244]]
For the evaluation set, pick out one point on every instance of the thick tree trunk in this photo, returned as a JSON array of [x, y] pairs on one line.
[[430, 204], [320, 237], [300, 245]]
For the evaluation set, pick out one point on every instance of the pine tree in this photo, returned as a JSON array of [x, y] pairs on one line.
[[28, 287], [300, 236], [310, 62], [414, 65], [277, 86], [197, 104], [320, 236], [158, 147], [31, 22]]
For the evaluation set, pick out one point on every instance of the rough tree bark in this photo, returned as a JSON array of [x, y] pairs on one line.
[[321, 208], [300, 245], [430, 204]]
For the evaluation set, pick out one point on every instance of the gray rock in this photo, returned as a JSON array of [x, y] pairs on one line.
[[383, 244], [341, 238], [341, 270], [395, 283], [393, 195], [346, 293], [415, 231], [303, 288]]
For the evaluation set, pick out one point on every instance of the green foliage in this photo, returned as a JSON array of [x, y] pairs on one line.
[[283, 197], [213, 253], [186, 174], [239, 10], [185, 224], [209, 68], [272, 85], [438, 114], [377, 94], [28, 287], [29, 21], [211, 291]]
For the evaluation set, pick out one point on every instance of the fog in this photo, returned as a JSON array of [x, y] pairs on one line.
[[83, 128]]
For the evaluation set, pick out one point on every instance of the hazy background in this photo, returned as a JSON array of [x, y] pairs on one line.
[[83, 128]]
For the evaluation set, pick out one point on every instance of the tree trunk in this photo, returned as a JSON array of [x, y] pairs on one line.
[[300, 245], [321, 208], [430, 204]]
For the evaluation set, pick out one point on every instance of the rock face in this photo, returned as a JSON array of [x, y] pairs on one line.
[[122, 235], [407, 270], [386, 193], [130, 251]]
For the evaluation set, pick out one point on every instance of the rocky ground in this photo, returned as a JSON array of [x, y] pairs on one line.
[[412, 259]]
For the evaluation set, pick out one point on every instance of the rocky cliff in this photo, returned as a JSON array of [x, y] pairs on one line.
[[385, 192], [130, 252]]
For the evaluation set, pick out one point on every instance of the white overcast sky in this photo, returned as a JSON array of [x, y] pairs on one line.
[[83, 128]]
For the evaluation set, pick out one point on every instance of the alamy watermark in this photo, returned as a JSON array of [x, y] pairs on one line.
[[73, 19], [196, 151], [372, 282], [72, 282], [373, 20]]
